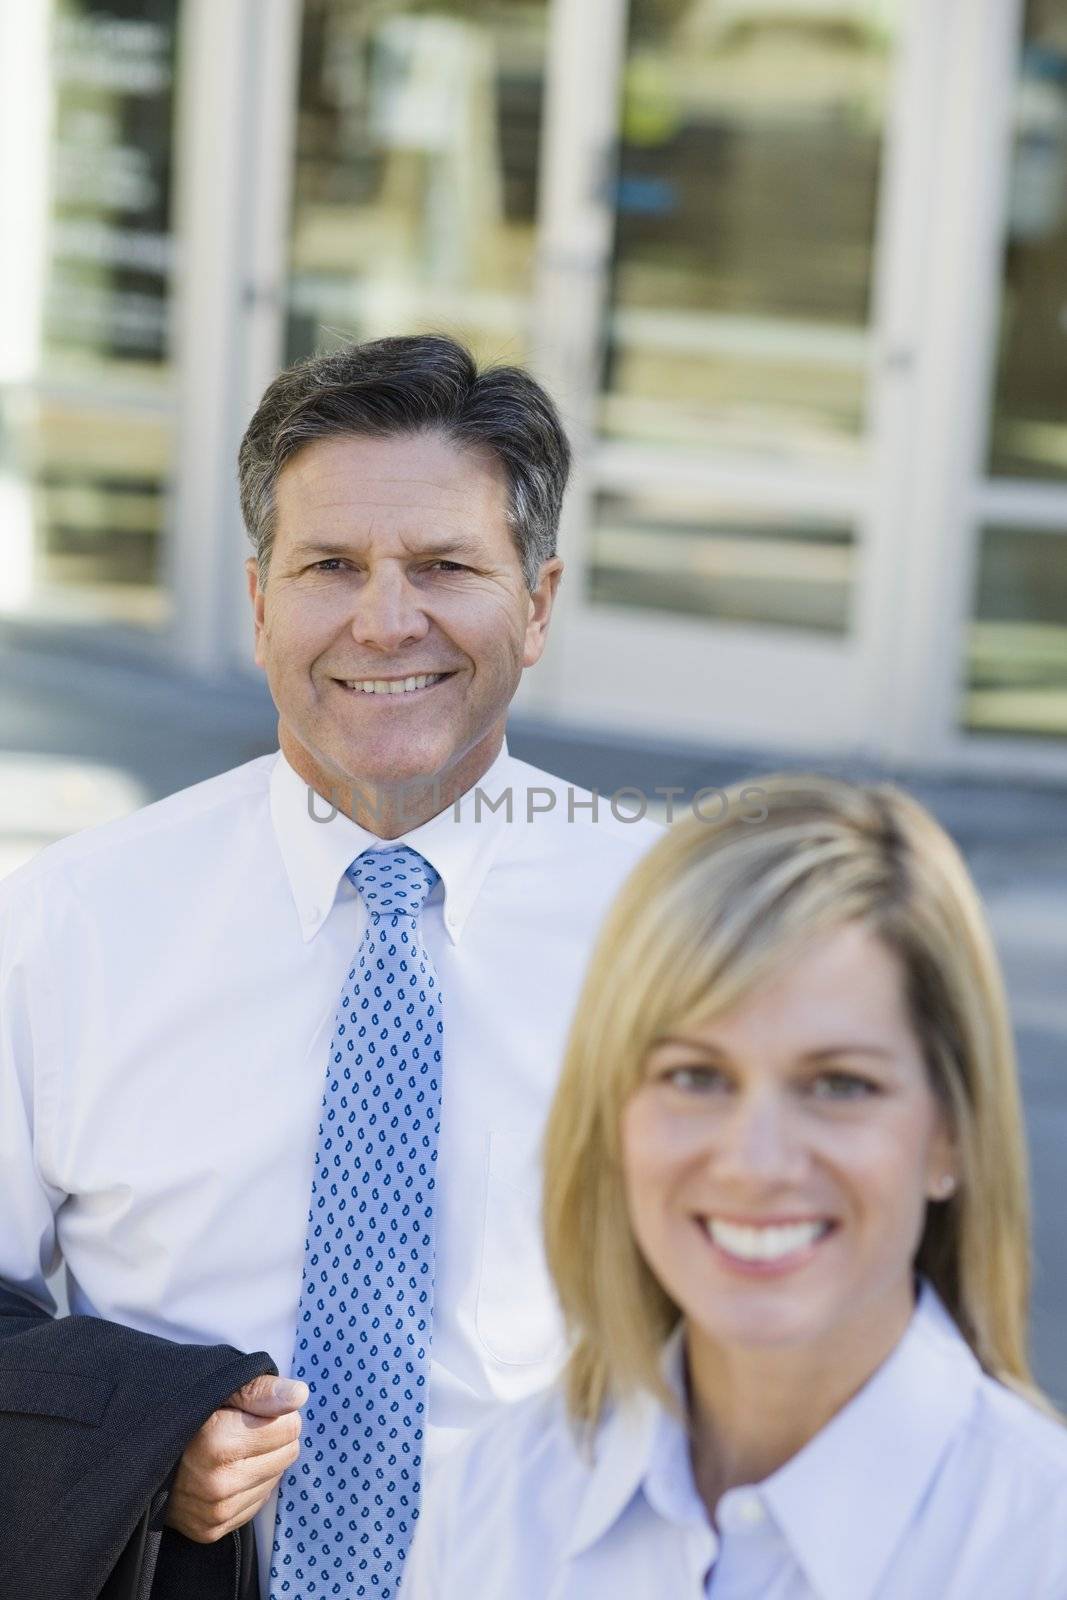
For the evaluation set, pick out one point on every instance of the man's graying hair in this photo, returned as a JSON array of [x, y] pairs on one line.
[[402, 386]]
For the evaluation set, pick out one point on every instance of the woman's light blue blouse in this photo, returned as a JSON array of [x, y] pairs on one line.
[[934, 1483]]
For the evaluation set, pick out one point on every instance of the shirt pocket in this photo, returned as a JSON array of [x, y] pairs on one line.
[[516, 1316]]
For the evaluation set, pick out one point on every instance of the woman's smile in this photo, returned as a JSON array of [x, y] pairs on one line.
[[765, 1249]]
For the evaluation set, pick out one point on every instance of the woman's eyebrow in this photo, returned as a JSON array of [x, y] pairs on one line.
[[691, 1044], [829, 1052]]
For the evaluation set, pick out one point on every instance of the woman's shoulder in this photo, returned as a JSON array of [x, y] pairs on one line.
[[1017, 1438], [1005, 1444], [1009, 1464]]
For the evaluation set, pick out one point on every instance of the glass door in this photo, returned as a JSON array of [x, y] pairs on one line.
[[1015, 645], [415, 176], [726, 543], [86, 380]]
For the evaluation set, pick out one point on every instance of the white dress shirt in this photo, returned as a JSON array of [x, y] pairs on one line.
[[168, 988], [934, 1483]]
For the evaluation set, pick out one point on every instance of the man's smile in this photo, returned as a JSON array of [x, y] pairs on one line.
[[413, 684]]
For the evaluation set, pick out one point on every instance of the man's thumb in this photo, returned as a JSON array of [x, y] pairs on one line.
[[269, 1397]]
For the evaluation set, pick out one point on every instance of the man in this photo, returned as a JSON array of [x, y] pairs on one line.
[[391, 897]]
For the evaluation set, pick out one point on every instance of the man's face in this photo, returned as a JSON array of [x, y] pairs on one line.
[[393, 561]]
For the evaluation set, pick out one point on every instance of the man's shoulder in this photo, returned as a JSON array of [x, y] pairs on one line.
[[557, 811], [172, 825]]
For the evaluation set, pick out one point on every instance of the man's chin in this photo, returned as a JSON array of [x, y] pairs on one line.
[[395, 768]]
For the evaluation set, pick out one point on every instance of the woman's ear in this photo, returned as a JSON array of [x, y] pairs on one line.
[[942, 1166]]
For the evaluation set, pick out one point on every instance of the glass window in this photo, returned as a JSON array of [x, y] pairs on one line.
[[1017, 655], [417, 154], [674, 552], [85, 379], [746, 199], [1029, 433]]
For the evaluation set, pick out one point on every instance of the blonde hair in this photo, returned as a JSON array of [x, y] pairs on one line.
[[710, 912]]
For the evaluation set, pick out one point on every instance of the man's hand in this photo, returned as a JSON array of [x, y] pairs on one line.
[[231, 1466]]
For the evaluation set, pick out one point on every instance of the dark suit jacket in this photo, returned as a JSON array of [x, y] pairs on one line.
[[94, 1418]]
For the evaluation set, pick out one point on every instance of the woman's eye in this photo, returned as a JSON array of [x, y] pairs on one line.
[[843, 1086], [694, 1080]]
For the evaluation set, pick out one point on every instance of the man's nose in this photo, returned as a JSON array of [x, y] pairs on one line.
[[388, 612]]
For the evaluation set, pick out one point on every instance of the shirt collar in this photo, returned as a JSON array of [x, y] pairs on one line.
[[630, 1441], [845, 1501], [318, 844], [841, 1523]]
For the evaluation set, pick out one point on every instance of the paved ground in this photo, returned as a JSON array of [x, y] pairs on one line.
[[146, 735]]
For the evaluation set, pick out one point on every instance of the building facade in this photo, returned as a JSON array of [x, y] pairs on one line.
[[793, 268]]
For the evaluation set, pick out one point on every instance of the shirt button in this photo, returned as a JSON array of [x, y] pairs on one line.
[[311, 916]]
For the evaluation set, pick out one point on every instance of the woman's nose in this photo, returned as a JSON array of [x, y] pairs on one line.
[[387, 613], [759, 1138]]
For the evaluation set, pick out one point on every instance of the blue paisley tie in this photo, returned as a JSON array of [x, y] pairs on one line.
[[346, 1510]]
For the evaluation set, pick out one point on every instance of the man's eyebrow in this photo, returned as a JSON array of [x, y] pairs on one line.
[[330, 547]]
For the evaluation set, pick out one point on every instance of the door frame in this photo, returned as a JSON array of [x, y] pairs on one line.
[[741, 684]]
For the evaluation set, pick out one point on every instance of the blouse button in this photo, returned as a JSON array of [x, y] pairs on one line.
[[750, 1511]]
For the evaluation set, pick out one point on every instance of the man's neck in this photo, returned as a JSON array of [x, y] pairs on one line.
[[391, 808]]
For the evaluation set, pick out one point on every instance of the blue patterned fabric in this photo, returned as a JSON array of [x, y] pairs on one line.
[[346, 1510]]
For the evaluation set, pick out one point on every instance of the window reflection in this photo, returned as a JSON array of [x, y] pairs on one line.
[[667, 551], [85, 435], [1029, 435], [1017, 657], [747, 191], [416, 172]]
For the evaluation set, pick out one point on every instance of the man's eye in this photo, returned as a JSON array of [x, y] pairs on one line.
[[328, 564], [450, 566], [843, 1086]]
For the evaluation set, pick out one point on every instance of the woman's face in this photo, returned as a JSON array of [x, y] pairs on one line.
[[778, 1160]]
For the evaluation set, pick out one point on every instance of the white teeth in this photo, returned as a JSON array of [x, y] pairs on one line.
[[396, 686], [764, 1244]]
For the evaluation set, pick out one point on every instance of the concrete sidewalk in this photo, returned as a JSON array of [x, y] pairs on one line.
[[145, 734]]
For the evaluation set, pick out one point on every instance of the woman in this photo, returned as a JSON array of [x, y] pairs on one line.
[[786, 1214]]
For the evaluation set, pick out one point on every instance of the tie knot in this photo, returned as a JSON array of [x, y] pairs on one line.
[[393, 881]]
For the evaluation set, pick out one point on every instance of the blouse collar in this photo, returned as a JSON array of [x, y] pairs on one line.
[[842, 1519]]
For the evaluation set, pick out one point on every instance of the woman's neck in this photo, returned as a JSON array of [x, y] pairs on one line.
[[752, 1409]]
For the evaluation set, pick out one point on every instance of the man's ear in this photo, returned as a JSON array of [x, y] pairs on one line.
[[542, 598], [255, 594]]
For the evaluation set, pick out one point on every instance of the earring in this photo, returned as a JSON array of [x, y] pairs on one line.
[[944, 1186]]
